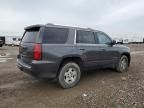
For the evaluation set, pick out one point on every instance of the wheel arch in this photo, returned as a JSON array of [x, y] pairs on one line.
[[128, 55], [76, 59]]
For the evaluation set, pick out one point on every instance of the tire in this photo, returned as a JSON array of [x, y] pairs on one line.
[[69, 75], [123, 64]]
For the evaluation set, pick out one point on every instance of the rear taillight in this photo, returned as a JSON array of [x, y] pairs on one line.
[[37, 52]]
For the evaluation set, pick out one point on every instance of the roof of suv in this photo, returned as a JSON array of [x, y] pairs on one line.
[[59, 26]]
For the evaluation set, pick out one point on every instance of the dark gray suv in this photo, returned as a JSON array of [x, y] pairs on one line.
[[61, 52]]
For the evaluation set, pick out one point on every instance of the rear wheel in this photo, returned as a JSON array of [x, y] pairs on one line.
[[69, 75], [123, 64]]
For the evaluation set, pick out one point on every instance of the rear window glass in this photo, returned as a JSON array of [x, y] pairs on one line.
[[30, 36], [55, 35]]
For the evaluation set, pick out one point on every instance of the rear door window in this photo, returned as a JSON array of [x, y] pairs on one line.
[[30, 36], [55, 35], [86, 37]]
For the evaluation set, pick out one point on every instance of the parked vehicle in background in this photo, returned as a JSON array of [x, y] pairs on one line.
[[122, 41], [61, 52], [13, 40], [16, 41], [136, 41], [2, 41]]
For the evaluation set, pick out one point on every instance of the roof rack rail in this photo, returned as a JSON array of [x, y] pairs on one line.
[[90, 28], [49, 24]]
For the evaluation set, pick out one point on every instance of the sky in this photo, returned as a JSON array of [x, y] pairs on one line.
[[118, 18]]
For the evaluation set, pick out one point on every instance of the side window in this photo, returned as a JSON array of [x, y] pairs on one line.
[[85, 37], [55, 35], [103, 38]]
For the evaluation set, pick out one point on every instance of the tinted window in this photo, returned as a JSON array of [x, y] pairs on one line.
[[85, 37], [14, 39], [30, 36], [103, 39], [55, 35]]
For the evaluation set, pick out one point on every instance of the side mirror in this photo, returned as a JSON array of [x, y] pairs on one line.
[[113, 42]]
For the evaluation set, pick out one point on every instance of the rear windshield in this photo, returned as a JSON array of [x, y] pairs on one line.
[[30, 36], [55, 35]]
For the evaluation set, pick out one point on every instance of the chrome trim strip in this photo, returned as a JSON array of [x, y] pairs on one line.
[[41, 62], [83, 44], [75, 38]]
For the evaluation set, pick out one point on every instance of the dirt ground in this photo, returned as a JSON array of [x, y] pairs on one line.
[[97, 89]]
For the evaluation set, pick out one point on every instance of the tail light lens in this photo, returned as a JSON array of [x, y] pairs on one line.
[[37, 52]]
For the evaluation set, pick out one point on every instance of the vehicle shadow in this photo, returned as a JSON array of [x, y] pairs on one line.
[[86, 77]]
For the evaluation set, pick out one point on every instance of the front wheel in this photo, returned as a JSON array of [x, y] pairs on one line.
[[123, 64], [69, 75]]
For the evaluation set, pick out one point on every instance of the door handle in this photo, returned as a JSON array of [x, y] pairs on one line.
[[82, 49], [103, 49]]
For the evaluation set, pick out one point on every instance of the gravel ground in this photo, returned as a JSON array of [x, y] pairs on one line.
[[97, 89]]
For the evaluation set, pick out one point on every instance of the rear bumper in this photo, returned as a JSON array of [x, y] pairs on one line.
[[40, 69]]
